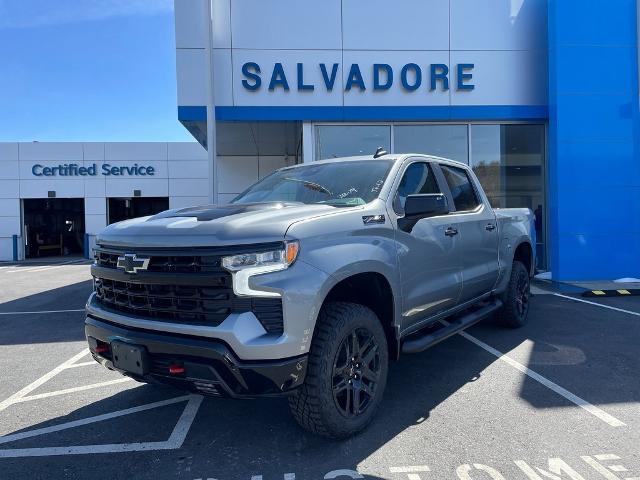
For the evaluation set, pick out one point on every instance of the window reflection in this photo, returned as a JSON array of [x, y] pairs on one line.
[[447, 141], [509, 161], [334, 141]]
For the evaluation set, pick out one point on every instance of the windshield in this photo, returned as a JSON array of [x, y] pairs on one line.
[[342, 184]]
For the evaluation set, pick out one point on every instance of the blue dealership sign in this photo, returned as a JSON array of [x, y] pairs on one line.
[[412, 76]]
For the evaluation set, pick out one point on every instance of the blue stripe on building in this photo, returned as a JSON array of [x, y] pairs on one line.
[[399, 113]]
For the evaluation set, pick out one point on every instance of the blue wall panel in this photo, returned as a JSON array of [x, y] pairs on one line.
[[594, 161]]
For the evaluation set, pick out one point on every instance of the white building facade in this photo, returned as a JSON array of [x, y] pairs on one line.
[[54, 190]]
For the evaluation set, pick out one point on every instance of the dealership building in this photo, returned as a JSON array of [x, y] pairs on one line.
[[539, 97], [55, 197]]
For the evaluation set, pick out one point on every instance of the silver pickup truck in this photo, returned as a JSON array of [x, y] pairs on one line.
[[308, 283]]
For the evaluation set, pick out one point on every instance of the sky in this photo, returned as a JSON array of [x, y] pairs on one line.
[[88, 70]]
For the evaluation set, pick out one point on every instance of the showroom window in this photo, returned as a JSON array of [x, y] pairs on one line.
[[334, 141], [447, 141], [508, 159], [509, 162]]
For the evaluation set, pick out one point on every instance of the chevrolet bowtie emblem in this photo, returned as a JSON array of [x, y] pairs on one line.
[[130, 263]]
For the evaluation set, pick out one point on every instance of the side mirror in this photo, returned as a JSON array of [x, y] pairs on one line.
[[421, 206], [426, 205]]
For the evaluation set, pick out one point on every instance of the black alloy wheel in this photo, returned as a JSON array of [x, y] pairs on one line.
[[516, 298], [356, 373], [522, 295]]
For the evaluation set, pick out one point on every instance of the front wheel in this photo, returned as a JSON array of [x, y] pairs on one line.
[[516, 298], [346, 372]]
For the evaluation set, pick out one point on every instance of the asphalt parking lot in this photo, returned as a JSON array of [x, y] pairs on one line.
[[558, 399]]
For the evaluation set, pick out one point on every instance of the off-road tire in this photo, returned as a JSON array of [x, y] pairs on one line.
[[516, 298], [314, 405]]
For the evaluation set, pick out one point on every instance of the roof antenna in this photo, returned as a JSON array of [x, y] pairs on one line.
[[380, 152]]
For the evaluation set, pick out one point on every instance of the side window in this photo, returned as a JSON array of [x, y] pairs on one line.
[[417, 178], [464, 196]]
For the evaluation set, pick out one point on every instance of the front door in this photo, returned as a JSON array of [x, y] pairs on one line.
[[477, 234], [429, 260]]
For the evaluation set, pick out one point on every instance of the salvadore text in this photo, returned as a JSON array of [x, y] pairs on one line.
[[107, 170], [378, 76]]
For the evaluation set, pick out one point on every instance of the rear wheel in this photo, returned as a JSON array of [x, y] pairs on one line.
[[516, 298], [346, 373]]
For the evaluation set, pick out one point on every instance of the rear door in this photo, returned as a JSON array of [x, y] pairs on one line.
[[428, 258], [475, 226]]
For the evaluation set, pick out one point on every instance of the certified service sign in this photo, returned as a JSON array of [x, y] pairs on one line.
[[75, 170]]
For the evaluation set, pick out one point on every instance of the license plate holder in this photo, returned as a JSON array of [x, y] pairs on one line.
[[130, 358]]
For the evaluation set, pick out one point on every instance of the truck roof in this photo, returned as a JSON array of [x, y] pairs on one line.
[[390, 156]]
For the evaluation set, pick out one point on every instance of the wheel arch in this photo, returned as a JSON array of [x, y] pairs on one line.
[[373, 290], [524, 253]]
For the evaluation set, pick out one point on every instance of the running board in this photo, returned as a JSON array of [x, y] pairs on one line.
[[419, 344]]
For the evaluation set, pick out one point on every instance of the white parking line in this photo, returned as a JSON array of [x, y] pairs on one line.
[[83, 364], [89, 420], [50, 266], [177, 437], [175, 441], [592, 409], [598, 304], [44, 268], [17, 398], [27, 268], [411, 471], [42, 380], [73, 389], [43, 311], [85, 449]]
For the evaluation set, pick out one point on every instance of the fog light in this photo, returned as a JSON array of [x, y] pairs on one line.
[[176, 369]]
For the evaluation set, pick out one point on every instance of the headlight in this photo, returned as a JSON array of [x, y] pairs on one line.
[[280, 258], [245, 265]]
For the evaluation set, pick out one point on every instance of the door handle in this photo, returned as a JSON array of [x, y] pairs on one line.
[[490, 227], [450, 232]]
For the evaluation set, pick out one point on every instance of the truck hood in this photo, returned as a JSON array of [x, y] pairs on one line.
[[211, 225]]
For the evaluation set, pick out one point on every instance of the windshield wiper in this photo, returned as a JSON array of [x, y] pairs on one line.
[[310, 185]]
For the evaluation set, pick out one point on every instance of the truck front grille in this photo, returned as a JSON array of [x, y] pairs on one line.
[[168, 263], [189, 289]]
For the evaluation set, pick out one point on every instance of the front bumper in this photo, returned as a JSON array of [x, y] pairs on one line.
[[302, 288], [209, 366]]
